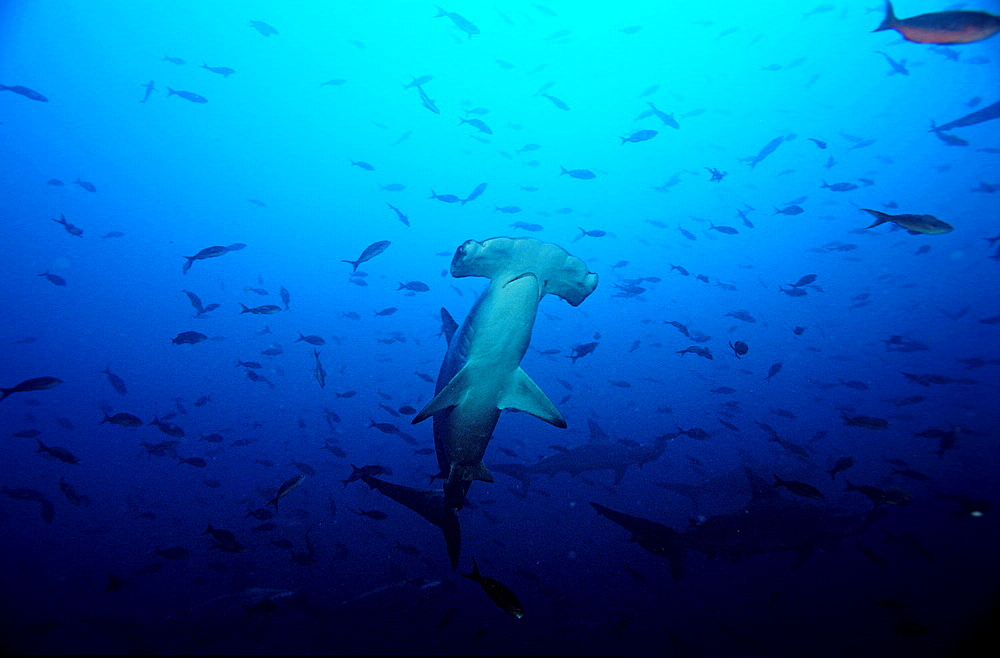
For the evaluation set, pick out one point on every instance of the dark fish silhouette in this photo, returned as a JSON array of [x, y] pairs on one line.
[[799, 488], [497, 591], [24, 91], [33, 384], [187, 95], [224, 71], [286, 488], [582, 174], [62, 454], [207, 252], [116, 382], [54, 279], [942, 27], [149, 90], [475, 193], [70, 228], [371, 251], [262, 27], [460, 21], [188, 338], [925, 224]]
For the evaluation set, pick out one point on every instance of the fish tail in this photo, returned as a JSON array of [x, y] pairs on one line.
[[355, 263], [107, 418], [441, 12], [890, 20], [564, 170], [41, 447], [245, 309], [880, 217], [475, 575], [170, 91]]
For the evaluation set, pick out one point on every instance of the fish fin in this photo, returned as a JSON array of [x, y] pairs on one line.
[[523, 394], [880, 217], [448, 325], [475, 575], [450, 396], [890, 20]]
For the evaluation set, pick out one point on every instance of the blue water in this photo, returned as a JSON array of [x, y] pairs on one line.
[[172, 176]]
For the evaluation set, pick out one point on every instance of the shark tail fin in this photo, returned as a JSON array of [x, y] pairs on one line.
[[654, 537], [523, 394]]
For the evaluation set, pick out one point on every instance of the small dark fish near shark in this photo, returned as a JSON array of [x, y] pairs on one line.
[[497, 591]]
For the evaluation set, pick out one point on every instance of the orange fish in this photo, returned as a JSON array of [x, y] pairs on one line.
[[942, 27]]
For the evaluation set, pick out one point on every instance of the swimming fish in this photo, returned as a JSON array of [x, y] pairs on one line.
[[371, 251], [942, 27], [926, 224]]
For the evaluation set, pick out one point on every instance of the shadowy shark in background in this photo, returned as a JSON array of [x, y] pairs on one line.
[[598, 454], [770, 522]]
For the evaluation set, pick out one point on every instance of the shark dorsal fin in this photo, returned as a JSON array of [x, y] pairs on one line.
[[448, 325]]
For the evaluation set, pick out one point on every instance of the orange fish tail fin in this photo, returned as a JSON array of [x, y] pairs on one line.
[[890, 20]]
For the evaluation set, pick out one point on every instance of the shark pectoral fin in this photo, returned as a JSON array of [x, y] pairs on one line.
[[450, 396], [522, 394]]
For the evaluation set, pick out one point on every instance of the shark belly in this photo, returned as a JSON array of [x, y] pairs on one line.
[[484, 362]]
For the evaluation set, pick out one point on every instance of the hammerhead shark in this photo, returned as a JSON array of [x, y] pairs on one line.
[[768, 523], [481, 373]]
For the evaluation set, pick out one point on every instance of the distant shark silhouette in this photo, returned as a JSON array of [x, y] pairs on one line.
[[770, 522], [428, 504], [481, 374], [600, 453]]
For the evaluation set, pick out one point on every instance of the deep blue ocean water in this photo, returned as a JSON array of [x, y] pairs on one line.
[[287, 128]]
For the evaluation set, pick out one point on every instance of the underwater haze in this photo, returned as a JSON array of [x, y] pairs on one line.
[[249, 247]]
